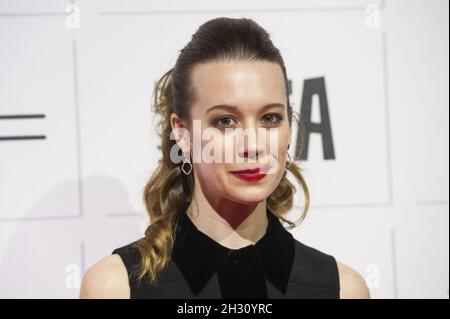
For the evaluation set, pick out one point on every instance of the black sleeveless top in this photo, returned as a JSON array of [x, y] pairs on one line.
[[277, 266]]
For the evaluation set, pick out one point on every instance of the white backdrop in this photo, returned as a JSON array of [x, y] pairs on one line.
[[77, 137]]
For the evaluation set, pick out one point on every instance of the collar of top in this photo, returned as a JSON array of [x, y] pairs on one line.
[[198, 256]]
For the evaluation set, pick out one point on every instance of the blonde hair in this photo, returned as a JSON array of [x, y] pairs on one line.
[[169, 190]]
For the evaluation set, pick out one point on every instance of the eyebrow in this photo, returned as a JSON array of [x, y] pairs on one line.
[[235, 108]]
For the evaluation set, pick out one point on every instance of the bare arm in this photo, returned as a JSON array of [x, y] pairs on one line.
[[353, 285], [106, 279]]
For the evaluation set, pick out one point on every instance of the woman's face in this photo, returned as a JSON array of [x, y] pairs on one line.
[[251, 132]]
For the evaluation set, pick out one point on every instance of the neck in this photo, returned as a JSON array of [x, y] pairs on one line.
[[233, 225]]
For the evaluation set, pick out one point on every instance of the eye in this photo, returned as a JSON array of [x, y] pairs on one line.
[[272, 119], [225, 121]]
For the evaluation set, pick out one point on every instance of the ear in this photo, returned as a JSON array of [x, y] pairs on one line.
[[180, 132]]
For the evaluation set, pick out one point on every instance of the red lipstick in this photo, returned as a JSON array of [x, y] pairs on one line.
[[251, 175]]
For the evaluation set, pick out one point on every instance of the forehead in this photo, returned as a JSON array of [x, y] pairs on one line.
[[240, 83]]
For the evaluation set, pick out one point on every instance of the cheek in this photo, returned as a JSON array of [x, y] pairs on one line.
[[210, 168], [213, 148], [229, 146], [278, 143], [219, 148]]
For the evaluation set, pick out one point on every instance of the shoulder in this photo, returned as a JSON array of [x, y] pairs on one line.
[[353, 285], [320, 269], [315, 268], [108, 278], [313, 255]]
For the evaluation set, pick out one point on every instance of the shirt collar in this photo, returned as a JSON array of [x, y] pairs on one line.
[[198, 256]]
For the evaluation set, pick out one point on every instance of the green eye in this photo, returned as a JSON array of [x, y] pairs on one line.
[[272, 119], [268, 120], [224, 121]]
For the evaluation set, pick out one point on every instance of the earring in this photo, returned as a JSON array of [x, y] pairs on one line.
[[183, 168], [289, 161]]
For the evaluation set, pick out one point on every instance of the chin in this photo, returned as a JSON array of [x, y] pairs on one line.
[[249, 194]]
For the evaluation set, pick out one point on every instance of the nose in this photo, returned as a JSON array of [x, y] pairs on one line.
[[250, 146]]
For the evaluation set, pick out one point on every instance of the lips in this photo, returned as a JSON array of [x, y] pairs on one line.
[[252, 171], [251, 175]]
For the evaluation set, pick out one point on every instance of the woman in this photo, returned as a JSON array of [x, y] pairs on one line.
[[216, 227]]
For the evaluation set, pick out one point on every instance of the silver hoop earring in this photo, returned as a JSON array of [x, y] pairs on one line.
[[183, 168], [289, 161]]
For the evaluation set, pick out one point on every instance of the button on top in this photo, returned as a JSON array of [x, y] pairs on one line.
[[244, 251]]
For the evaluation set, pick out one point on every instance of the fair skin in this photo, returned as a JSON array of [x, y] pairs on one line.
[[247, 86]]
